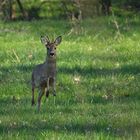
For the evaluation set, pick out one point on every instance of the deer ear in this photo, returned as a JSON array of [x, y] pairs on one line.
[[45, 40], [58, 40]]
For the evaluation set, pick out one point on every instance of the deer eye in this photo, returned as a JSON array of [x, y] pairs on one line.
[[55, 48]]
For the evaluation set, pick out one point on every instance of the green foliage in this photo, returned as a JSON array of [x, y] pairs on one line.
[[97, 82], [123, 12], [65, 9], [129, 4]]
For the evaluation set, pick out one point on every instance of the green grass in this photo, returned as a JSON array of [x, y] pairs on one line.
[[98, 80]]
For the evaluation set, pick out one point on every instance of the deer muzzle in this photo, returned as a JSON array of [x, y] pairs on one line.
[[52, 54]]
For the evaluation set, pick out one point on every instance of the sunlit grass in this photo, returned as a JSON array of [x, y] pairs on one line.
[[97, 82]]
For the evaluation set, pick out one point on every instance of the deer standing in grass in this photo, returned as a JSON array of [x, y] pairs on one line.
[[44, 75]]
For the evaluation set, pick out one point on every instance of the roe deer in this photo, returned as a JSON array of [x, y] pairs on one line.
[[44, 75]]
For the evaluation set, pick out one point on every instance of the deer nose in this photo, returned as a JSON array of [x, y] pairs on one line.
[[51, 53]]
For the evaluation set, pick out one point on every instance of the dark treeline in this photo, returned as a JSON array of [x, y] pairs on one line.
[[36, 9]]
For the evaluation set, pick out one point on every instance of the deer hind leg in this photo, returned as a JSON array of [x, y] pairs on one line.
[[48, 87], [54, 86], [41, 93], [33, 101], [33, 87]]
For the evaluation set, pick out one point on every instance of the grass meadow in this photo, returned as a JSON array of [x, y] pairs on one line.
[[98, 80]]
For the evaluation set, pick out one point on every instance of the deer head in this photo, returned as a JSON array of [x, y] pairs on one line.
[[51, 46]]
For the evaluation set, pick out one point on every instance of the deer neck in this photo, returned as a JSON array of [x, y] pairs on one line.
[[51, 60], [50, 66]]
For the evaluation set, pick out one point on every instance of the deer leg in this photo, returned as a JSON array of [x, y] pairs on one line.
[[33, 101], [48, 87], [41, 92], [54, 86]]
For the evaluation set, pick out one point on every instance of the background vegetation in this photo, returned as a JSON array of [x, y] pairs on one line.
[[98, 71]]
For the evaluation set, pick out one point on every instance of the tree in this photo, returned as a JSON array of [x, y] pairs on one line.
[[24, 14], [6, 9], [106, 4]]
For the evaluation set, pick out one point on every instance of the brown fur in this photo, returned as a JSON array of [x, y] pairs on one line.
[[44, 75]]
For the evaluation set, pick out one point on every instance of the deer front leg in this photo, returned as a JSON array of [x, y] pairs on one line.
[[41, 92], [54, 86], [48, 87]]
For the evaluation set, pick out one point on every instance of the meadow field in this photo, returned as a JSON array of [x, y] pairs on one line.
[[98, 80]]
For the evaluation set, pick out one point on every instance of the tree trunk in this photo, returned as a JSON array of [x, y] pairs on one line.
[[22, 9], [10, 9], [106, 4], [77, 13], [6, 9]]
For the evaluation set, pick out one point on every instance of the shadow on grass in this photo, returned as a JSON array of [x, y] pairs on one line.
[[12, 73], [86, 71], [21, 68], [37, 127], [127, 69], [40, 126], [36, 124]]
